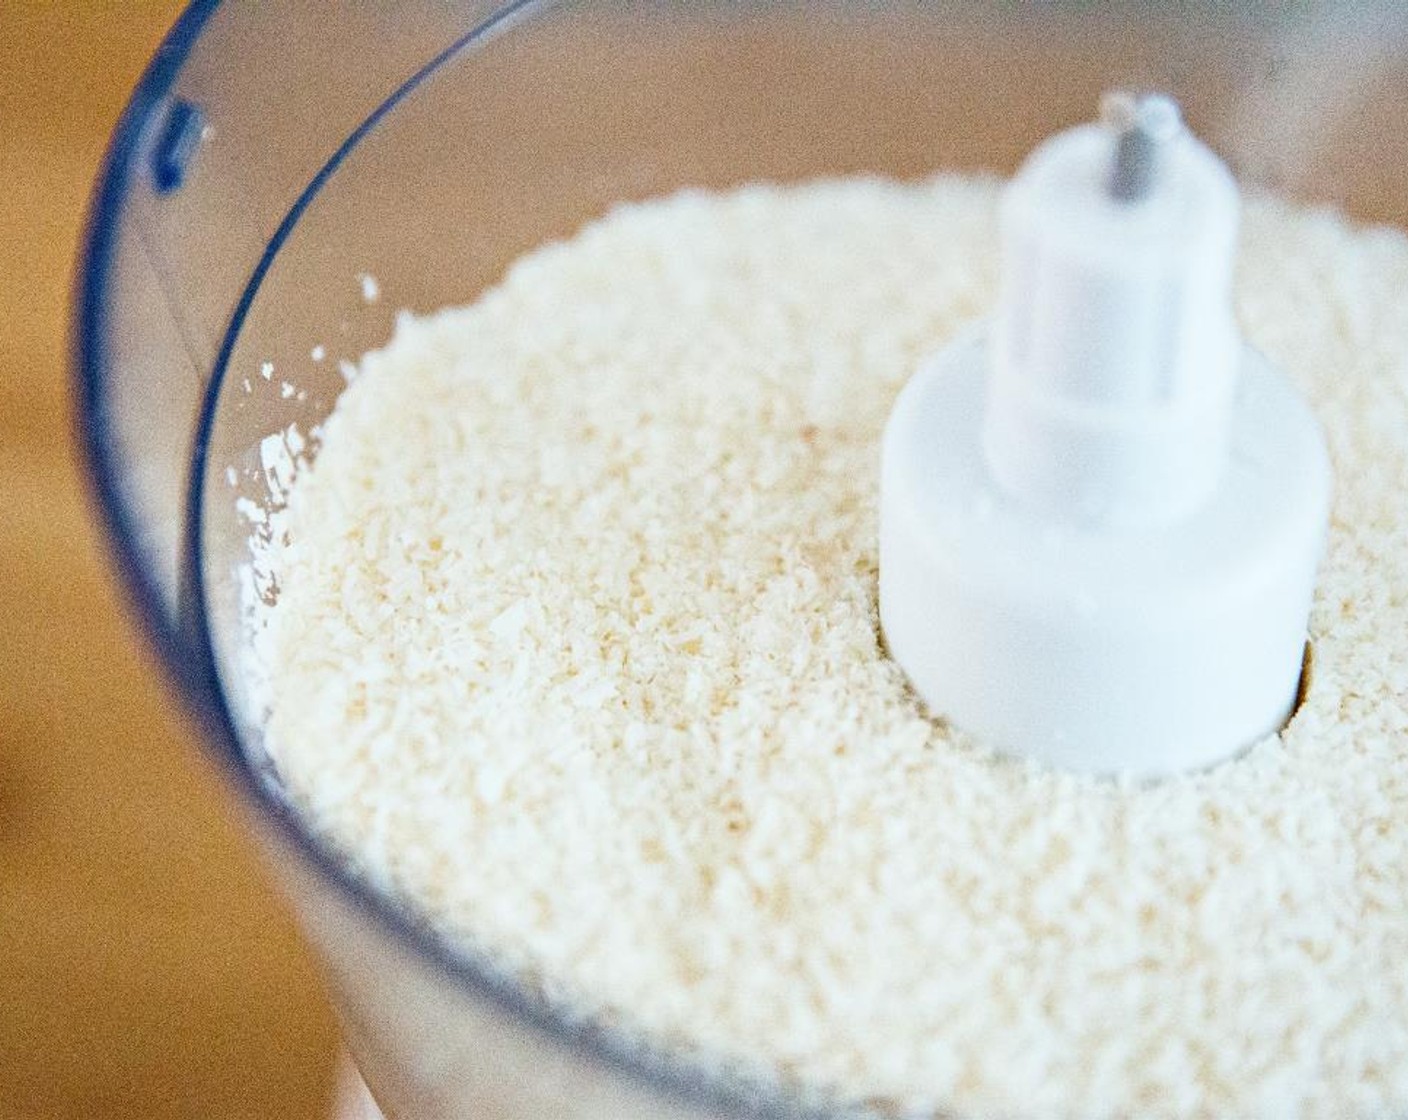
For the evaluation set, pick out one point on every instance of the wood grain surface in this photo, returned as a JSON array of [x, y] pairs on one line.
[[147, 969]]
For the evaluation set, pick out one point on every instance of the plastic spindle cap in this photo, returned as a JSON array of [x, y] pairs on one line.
[[1101, 514]]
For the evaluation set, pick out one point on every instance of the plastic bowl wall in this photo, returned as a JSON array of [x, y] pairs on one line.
[[273, 155]]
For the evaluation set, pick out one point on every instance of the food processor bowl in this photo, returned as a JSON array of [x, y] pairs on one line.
[[287, 178]]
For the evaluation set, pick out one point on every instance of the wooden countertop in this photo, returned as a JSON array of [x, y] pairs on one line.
[[146, 967]]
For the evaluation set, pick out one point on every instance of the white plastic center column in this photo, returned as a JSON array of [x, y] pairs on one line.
[[1102, 513], [1114, 349]]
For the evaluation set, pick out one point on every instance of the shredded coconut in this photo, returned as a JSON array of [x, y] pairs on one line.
[[574, 650]]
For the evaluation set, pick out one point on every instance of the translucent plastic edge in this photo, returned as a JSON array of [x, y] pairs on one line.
[[187, 650], [90, 358]]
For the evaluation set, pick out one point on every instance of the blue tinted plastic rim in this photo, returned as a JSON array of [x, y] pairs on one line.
[[186, 650], [91, 359]]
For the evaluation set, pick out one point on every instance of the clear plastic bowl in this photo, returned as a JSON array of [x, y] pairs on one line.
[[272, 155]]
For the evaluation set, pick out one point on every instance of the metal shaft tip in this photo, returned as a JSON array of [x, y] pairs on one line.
[[1144, 125]]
